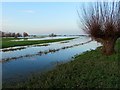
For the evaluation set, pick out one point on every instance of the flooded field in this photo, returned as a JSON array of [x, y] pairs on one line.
[[20, 62], [46, 38]]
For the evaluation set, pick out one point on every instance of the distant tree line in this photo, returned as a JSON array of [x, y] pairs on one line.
[[10, 34], [52, 35]]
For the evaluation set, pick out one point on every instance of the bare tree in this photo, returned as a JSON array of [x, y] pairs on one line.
[[102, 22], [52, 35], [1, 33], [17, 35], [13, 35], [25, 34], [7, 34]]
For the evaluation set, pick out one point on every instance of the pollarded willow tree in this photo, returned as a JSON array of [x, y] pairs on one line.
[[102, 22]]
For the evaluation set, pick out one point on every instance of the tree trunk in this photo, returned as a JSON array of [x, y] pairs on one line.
[[108, 46]]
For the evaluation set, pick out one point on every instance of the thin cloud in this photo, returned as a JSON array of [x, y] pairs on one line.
[[28, 11]]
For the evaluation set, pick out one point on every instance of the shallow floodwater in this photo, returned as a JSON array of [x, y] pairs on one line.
[[47, 38], [20, 68]]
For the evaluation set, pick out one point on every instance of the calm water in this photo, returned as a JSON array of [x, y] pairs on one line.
[[20, 68]]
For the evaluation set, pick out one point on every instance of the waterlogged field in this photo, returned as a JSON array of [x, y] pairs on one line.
[[20, 62], [90, 69], [12, 42]]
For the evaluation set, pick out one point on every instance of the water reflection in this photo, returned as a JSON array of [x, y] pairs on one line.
[[22, 67], [37, 48]]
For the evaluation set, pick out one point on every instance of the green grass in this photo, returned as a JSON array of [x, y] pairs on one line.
[[88, 70], [6, 42], [11, 38]]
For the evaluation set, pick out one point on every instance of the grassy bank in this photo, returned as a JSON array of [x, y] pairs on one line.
[[88, 70], [6, 42]]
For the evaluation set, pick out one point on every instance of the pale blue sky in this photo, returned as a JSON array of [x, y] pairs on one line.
[[41, 18]]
